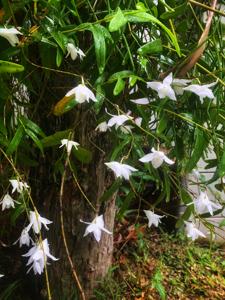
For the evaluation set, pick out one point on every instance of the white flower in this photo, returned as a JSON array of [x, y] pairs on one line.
[[24, 238], [179, 84], [18, 186], [82, 94], [36, 222], [192, 231], [155, 2], [102, 127], [201, 90], [69, 144], [156, 158], [1, 275], [121, 170], [74, 51], [117, 120], [11, 35], [203, 204], [38, 256], [7, 202], [138, 121], [164, 88], [96, 227], [153, 219], [141, 101]]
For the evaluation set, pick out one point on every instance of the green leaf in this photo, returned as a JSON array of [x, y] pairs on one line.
[[59, 57], [60, 39], [35, 139], [136, 16], [64, 105], [55, 139], [32, 126], [10, 67], [117, 21], [126, 204], [201, 143], [83, 155], [121, 74], [13, 145], [177, 11], [151, 47], [119, 87], [221, 167], [100, 45]]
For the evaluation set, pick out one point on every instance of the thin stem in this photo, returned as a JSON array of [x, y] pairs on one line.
[[63, 232]]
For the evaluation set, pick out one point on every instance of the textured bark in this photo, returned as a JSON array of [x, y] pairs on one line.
[[91, 259]]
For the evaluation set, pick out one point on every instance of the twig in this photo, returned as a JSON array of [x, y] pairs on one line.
[[201, 44]]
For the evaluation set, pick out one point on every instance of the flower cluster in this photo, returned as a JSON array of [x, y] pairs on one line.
[[169, 87], [39, 253]]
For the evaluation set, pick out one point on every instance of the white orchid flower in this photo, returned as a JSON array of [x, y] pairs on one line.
[[69, 144], [38, 256], [96, 227], [36, 222], [156, 158], [102, 127], [202, 91], [192, 231], [24, 238], [8, 202], [138, 121], [82, 94], [179, 84], [74, 51], [11, 35], [164, 88], [203, 204], [121, 170], [153, 219], [18, 186], [117, 120], [141, 101]]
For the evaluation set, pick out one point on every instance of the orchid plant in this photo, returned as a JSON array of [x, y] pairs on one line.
[[133, 104]]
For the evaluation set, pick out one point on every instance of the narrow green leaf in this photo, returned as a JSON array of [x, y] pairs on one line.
[[35, 139], [15, 141], [221, 167], [32, 126], [119, 87], [121, 74], [126, 204], [59, 57], [100, 45], [177, 12], [117, 21], [10, 67], [201, 143]]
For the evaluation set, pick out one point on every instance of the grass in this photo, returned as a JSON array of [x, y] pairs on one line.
[[152, 265]]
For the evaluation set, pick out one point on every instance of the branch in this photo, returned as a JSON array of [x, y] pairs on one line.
[[201, 44]]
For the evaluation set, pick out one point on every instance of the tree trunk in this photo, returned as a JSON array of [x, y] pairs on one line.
[[90, 258]]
